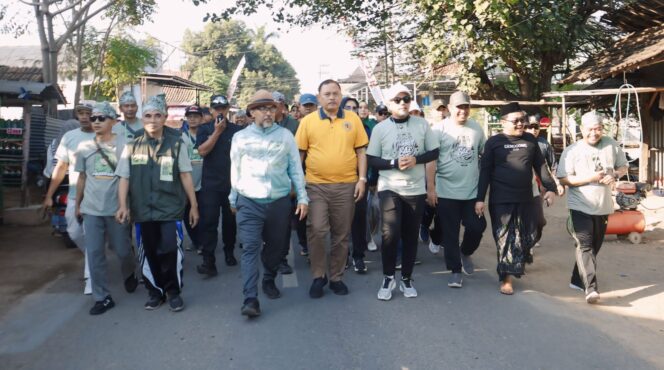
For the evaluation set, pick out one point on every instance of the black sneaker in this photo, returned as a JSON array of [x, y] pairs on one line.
[[154, 302], [304, 252], [251, 308], [270, 289], [230, 259], [316, 290], [207, 269], [131, 283], [359, 266], [175, 302], [102, 306], [338, 287], [285, 269], [529, 257]]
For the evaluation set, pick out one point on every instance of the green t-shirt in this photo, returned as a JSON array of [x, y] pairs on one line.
[[582, 159], [100, 195], [390, 140], [458, 170]]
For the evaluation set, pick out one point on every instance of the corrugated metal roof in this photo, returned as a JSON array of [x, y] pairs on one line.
[[32, 74], [637, 50]]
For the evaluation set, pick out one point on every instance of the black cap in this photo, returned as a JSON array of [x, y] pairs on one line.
[[381, 108], [205, 110], [193, 109], [510, 108], [218, 101]]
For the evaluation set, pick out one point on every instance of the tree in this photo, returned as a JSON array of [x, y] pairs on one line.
[[52, 16], [532, 39], [215, 52]]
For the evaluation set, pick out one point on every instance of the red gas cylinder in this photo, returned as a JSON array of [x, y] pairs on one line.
[[625, 222]]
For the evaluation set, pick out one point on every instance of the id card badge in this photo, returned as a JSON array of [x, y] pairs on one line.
[[166, 169], [138, 159]]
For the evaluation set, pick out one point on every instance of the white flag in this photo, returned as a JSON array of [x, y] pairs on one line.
[[236, 76]]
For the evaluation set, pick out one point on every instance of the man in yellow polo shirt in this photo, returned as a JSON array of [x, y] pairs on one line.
[[332, 144]]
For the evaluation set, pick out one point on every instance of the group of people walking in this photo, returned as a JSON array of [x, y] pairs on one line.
[[314, 174]]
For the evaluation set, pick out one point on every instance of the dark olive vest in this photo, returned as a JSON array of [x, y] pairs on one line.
[[155, 189]]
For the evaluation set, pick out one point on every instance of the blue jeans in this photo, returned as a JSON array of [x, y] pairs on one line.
[[261, 227]]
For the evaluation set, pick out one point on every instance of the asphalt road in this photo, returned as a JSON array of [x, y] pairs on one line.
[[470, 328]]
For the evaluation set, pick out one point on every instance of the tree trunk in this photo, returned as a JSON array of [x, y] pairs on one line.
[[99, 68], [79, 63]]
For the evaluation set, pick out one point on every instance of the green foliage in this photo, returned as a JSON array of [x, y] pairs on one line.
[[124, 62], [215, 52], [529, 38]]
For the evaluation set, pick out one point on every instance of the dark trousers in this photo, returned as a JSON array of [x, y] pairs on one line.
[[401, 217], [211, 201], [164, 261], [588, 233], [261, 230], [451, 212], [301, 231], [539, 213], [194, 233], [359, 228]]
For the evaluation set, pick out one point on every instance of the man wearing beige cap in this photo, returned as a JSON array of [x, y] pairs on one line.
[[589, 168], [265, 165], [66, 157], [452, 186]]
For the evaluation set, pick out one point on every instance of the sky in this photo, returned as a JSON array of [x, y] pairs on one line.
[[315, 53]]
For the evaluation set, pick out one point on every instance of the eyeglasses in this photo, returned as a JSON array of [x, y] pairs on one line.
[[266, 109], [516, 121], [350, 107], [99, 118], [406, 99], [382, 113]]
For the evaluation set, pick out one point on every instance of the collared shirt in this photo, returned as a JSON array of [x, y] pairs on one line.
[[217, 163], [265, 165], [330, 144], [289, 123]]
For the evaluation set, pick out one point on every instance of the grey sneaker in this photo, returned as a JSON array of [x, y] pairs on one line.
[[385, 291], [455, 280], [406, 286], [467, 265]]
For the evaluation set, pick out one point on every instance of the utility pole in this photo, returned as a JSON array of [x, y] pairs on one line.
[[322, 71]]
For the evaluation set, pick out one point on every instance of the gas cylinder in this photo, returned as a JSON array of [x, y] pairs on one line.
[[625, 222]]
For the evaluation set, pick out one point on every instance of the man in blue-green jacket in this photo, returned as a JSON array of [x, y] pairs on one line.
[[265, 165]]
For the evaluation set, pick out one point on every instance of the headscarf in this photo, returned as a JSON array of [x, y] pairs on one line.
[[155, 103], [127, 97], [106, 109]]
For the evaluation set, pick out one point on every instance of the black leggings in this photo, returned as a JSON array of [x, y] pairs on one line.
[[401, 217]]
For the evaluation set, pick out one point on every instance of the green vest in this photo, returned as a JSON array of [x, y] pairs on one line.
[[156, 192]]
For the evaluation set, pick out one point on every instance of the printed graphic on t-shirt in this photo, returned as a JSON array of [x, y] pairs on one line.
[[102, 170], [463, 151], [195, 156], [405, 145], [515, 147], [597, 162]]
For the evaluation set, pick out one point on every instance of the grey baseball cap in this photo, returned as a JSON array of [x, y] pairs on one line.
[[459, 98]]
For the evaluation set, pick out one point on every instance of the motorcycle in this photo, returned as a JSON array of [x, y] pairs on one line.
[[58, 219]]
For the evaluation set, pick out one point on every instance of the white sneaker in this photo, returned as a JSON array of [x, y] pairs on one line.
[[592, 297], [88, 287], [371, 246], [575, 287], [433, 248], [385, 291], [406, 286]]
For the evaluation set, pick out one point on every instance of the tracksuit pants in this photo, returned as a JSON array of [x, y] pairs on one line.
[[161, 257], [401, 217], [588, 232], [451, 212]]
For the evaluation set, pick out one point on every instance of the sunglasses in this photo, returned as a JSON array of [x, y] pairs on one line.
[[266, 108], [533, 127], [350, 107], [516, 121], [382, 113], [99, 118], [220, 101], [406, 99]]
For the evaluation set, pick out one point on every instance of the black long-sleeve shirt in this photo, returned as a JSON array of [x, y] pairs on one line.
[[507, 166]]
